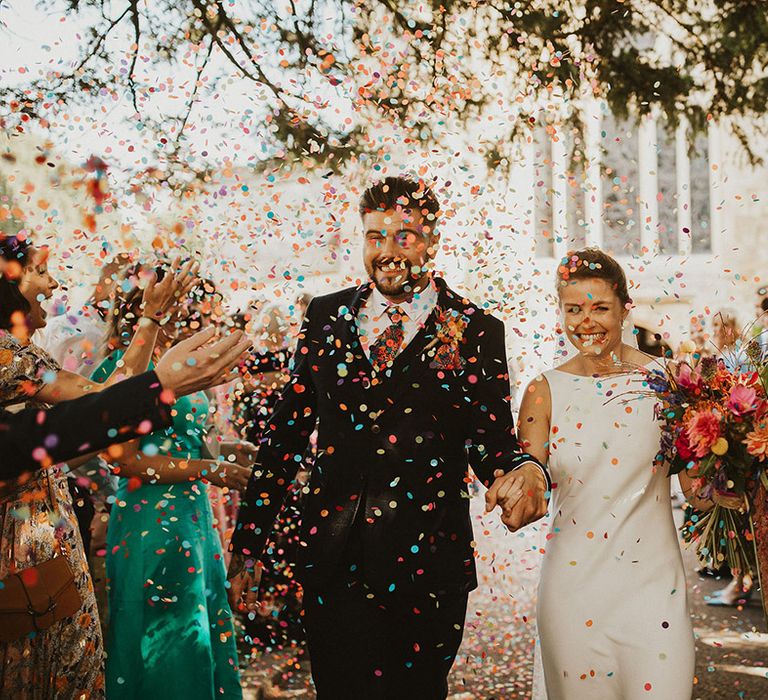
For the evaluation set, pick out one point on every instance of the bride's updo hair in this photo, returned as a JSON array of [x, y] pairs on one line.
[[593, 263]]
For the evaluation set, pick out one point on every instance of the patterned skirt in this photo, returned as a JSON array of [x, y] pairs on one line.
[[65, 661]]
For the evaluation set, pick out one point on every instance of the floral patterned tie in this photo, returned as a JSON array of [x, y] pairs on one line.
[[384, 349]]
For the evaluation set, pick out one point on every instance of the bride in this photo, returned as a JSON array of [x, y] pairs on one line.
[[612, 613]]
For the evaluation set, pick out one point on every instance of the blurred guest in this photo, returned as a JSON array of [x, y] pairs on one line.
[[75, 337], [276, 625], [64, 660], [725, 332], [265, 371], [760, 326], [170, 622], [725, 337]]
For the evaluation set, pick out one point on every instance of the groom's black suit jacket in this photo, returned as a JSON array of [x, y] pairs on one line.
[[392, 449]]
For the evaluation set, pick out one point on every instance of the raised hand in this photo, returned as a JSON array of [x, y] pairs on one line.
[[201, 362], [160, 298], [521, 495]]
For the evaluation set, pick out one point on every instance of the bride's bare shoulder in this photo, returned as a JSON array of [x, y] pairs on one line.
[[639, 358], [571, 366]]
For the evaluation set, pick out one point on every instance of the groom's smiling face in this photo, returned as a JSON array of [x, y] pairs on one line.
[[398, 247]]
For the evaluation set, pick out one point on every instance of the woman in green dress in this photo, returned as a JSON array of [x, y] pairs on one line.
[[171, 631]]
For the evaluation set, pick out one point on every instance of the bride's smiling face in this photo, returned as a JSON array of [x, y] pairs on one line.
[[593, 314]]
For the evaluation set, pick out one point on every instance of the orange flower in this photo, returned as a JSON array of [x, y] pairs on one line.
[[757, 442]]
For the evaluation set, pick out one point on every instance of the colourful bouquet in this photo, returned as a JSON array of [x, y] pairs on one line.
[[714, 412]]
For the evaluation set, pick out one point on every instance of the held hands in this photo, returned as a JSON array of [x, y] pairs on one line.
[[160, 298], [234, 471], [199, 362], [231, 475], [521, 495], [243, 577], [242, 451]]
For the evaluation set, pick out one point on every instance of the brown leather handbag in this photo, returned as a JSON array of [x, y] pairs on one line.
[[33, 599]]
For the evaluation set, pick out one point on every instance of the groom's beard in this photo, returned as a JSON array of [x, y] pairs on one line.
[[397, 282]]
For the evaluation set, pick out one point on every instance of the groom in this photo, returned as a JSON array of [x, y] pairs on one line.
[[407, 382]]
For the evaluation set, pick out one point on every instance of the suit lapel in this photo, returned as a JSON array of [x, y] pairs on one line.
[[415, 359], [348, 332], [384, 389]]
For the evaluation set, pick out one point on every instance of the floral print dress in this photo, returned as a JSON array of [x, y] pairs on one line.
[[37, 522]]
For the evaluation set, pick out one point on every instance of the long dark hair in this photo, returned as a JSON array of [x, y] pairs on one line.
[[15, 251]]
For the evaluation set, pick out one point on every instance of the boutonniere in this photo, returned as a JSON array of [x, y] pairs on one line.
[[449, 335]]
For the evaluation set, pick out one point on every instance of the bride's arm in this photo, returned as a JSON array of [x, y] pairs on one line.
[[507, 491], [533, 422]]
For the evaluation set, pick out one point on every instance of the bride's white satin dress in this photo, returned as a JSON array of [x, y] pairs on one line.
[[612, 614]]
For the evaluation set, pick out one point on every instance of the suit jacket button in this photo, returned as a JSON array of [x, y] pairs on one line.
[[375, 429]]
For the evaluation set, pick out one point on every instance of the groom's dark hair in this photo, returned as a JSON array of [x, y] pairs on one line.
[[401, 191], [593, 263]]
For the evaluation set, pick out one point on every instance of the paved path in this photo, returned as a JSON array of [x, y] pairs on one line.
[[495, 660]]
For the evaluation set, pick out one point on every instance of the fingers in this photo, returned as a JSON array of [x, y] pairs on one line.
[[235, 591], [197, 340], [241, 483], [187, 277], [490, 496], [249, 448], [240, 476], [229, 357], [151, 284], [510, 485], [222, 346], [524, 511], [226, 378], [251, 597], [244, 591], [517, 515], [503, 488]]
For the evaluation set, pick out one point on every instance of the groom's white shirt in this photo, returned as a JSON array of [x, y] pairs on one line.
[[372, 318]]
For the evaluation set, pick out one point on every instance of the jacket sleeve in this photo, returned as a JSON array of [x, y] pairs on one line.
[[282, 446], [491, 440], [35, 438]]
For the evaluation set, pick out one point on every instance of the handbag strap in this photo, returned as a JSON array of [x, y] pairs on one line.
[[30, 606]]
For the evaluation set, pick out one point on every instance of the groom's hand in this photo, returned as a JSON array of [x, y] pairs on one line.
[[521, 494]]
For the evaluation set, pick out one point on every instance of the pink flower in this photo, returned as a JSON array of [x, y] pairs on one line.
[[742, 400], [687, 378], [703, 431]]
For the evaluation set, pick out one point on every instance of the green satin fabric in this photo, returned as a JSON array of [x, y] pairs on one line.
[[171, 632]]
